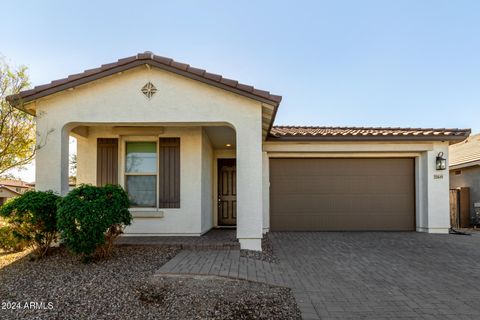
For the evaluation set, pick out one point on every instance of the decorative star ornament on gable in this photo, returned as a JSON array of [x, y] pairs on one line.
[[149, 90]]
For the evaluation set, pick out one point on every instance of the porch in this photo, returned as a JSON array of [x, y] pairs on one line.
[[181, 179]]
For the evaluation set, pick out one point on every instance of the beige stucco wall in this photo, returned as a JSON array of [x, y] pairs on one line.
[[178, 102], [195, 187], [431, 185], [182, 106]]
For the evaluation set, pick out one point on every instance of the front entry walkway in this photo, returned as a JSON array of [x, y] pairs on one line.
[[213, 239], [361, 275]]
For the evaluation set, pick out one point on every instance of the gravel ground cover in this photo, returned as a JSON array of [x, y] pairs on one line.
[[100, 290], [121, 288], [218, 298], [267, 254]]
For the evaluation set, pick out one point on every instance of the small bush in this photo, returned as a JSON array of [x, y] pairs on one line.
[[10, 241], [31, 220], [90, 218]]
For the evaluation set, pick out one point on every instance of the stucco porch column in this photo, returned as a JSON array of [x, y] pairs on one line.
[[249, 188], [51, 161], [433, 208]]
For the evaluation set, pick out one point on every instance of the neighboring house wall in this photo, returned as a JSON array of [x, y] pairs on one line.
[[15, 185], [431, 186], [468, 177], [179, 101], [6, 194]]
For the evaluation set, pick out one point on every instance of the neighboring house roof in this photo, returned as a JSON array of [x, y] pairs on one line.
[[10, 189], [14, 183], [466, 153], [365, 133]]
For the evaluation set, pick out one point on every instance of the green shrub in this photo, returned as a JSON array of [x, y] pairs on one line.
[[90, 218], [10, 241], [31, 219]]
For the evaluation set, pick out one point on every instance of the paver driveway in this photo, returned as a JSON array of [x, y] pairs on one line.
[[382, 275], [360, 275]]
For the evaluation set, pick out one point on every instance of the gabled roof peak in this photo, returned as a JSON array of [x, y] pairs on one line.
[[149, 58]]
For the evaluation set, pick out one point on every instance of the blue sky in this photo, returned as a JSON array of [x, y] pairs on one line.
[[413, 63]]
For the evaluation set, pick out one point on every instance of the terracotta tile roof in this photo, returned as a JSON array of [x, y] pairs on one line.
[[142, 59], [465, 153], [275, 132], [14, 183], [365, 133]]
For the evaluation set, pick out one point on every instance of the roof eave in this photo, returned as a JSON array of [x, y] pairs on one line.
[[272, 120], [451, 139], [462, 165], [133, 62]]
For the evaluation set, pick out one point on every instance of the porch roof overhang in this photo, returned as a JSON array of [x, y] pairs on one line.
[[270, 102]]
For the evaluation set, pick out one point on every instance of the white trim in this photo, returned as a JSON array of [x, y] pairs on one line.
[[343, 154], [419, 210], [123, 142], [345, 147], [146, 213], [433, 230], [254, 244]]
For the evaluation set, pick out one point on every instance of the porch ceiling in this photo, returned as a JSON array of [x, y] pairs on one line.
[[220, 137]]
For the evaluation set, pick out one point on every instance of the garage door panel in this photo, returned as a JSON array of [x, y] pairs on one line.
[[376, 194], [338, 203], [341, 185], [340, 167], [335, 222]]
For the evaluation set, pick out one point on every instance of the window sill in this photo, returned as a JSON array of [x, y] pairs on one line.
[[147, 214]]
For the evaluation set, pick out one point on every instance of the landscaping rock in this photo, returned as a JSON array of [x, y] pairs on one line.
[[123, 287], [211, 297]]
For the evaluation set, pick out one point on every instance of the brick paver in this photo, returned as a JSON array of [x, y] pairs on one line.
[[360, 275]]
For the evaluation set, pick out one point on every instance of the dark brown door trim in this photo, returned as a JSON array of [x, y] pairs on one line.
[[227, 192]]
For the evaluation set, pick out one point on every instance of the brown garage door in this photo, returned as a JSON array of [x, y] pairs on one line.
[[342, 194]]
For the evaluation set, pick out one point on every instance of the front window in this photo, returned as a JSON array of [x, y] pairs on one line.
[[141, 173]]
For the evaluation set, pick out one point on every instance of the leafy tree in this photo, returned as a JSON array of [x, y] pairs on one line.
[[32, 220], [10, 241], [73, 165], [17, 128]]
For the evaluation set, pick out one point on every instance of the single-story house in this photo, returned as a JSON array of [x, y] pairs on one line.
[[464, 165], [10, 188], [195, 151]]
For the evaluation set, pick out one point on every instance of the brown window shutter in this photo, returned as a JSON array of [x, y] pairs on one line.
[[107, 161], [169, 173]]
